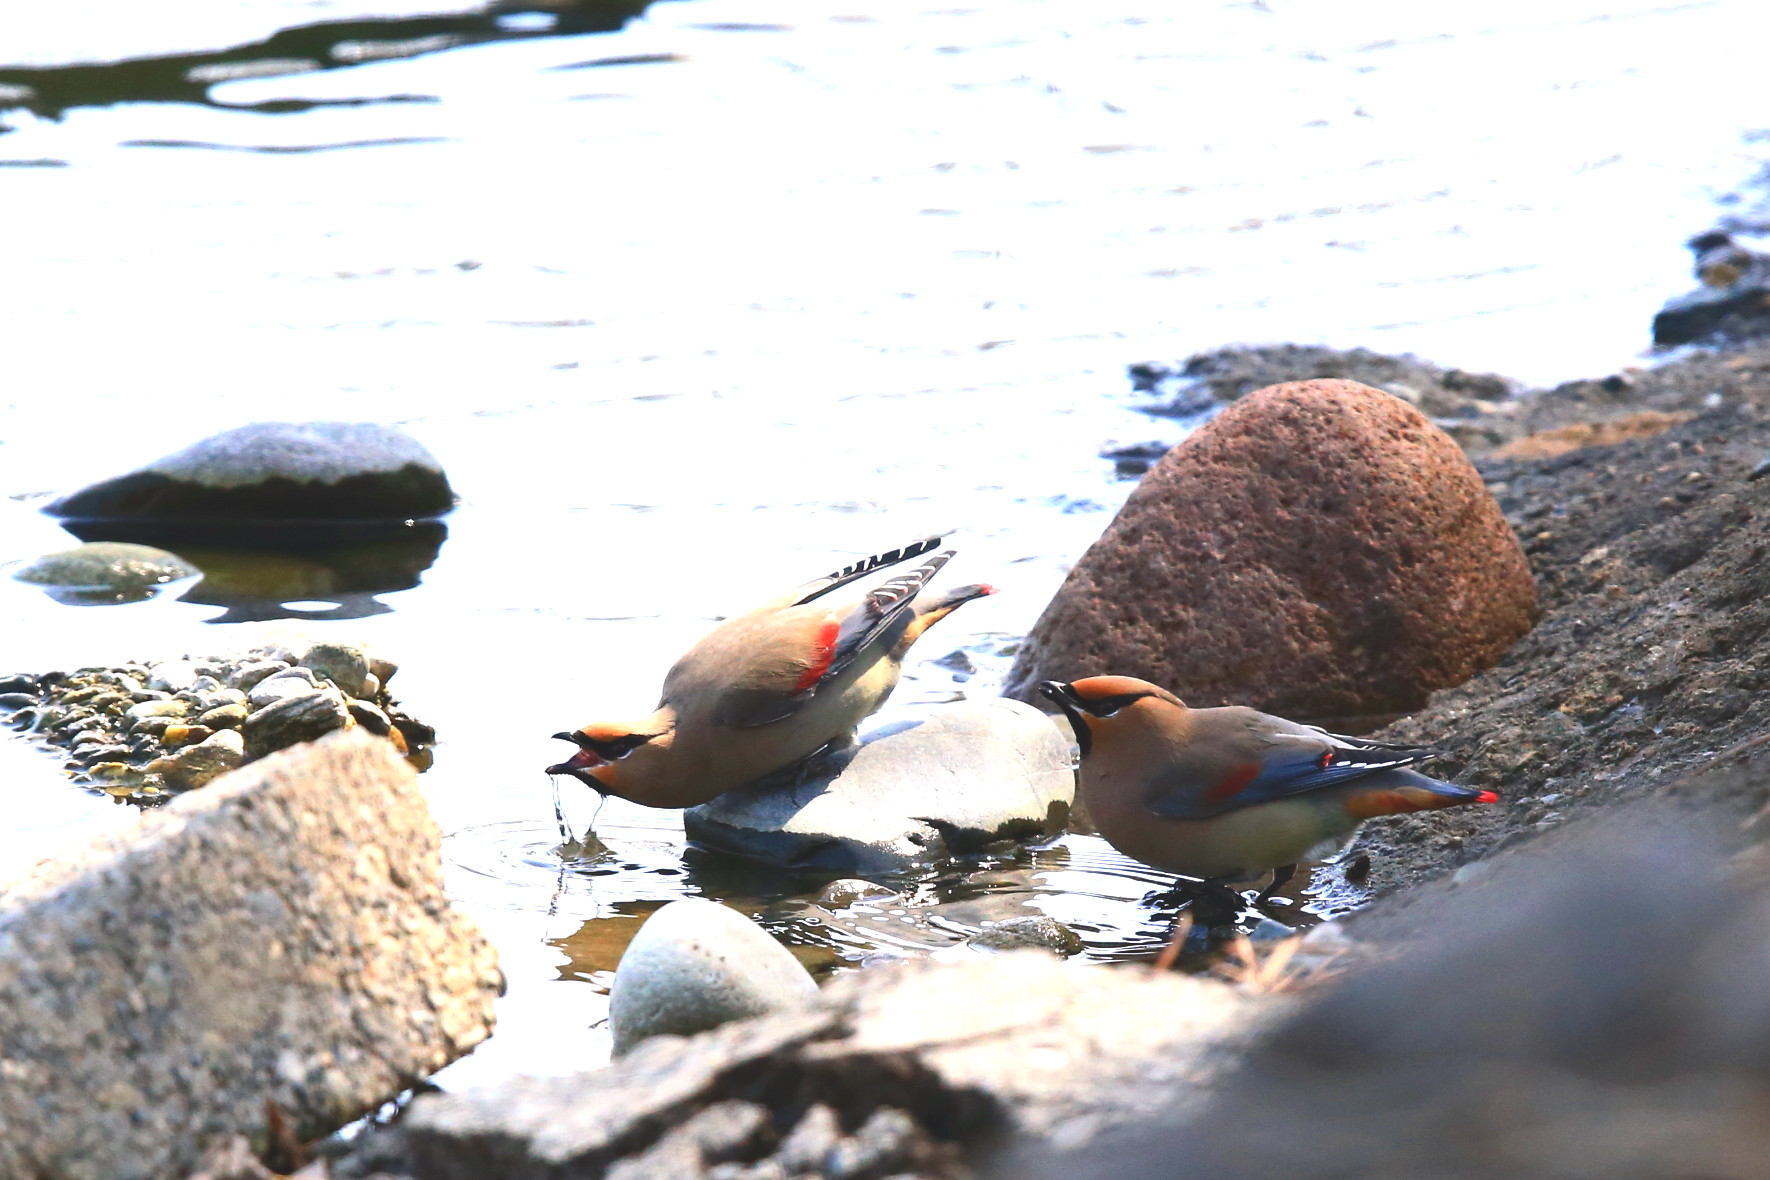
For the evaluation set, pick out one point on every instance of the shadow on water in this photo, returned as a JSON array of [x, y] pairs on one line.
[[288, 569], [50, 91]]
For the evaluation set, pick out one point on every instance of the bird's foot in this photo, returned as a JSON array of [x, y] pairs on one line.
[[1211, 902]]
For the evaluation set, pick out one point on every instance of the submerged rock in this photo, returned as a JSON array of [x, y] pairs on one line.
[[255, 945], [1318, 550], [1034, 932], [105, 572], [965, 776], [695, 965], [277, 471]]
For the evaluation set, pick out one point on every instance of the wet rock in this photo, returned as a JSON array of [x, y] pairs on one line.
[[294, 719], [343, 664], [695, 965], [229, 716], [1318, 550], [1035, 932], [277, 471], [104, 572], [291, 682], [248, 676], [158, 991], [195, 765], [927, 1062], [840, 894], [371, 718], [1620, 1037], [1721, 316], [961, 778], [1227, 374], [382, 669], [10, 701]]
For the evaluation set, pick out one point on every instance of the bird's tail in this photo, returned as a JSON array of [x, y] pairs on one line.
[[865, 566], [1394, 792]]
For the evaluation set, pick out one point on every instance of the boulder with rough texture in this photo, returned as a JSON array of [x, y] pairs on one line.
[[965, 776], [279, 938], [1318, 550], [695, 965], [916, 1068], [277, 471], [105, 572]]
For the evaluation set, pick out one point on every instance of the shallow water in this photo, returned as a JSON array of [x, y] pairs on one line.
[[789, 286]]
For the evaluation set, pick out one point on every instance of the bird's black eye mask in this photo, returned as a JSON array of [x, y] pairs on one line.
[[1069, 700], [608, 749]]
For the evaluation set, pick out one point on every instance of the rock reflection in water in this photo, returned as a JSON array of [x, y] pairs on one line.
[[283, 569], [50, 91]]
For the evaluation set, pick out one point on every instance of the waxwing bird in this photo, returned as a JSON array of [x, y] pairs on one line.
[[764, 691], [1224, 794]]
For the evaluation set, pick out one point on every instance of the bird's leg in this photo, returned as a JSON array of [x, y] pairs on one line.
[[1280, 876]]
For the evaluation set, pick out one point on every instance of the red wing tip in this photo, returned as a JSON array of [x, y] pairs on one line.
[[984, 588], [1487, 797]]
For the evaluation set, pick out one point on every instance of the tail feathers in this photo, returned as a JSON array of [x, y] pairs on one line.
[[1396, 792], [866, 565]]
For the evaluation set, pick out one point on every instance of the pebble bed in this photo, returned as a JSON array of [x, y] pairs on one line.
[[146, 731]]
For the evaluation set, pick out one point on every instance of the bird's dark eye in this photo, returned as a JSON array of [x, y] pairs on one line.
[[1107, 706], [614, 749]]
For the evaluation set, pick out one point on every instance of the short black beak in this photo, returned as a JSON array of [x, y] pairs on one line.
[[1064, 696], [577, 763]]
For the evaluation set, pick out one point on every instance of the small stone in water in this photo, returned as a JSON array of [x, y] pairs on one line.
[[1039, 931], [1269, 930], [141, 711], [839, 895], [16, 700]]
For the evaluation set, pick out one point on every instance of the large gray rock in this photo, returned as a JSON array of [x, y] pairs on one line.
[[277, 471], [280, 937], [923, 1064], [967, 775], [104, 572], [695, 965]]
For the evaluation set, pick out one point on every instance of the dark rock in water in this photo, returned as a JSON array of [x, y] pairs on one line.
[[277, 471], [1258, 564], [105, 572], [1728, 315], [1031, 932], [248, 946], [1209, 379], [1133, 460], [695, 965], [967, 775]]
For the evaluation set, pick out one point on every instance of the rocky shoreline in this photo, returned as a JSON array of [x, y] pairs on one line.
[[1635, 501], [144, 731]]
